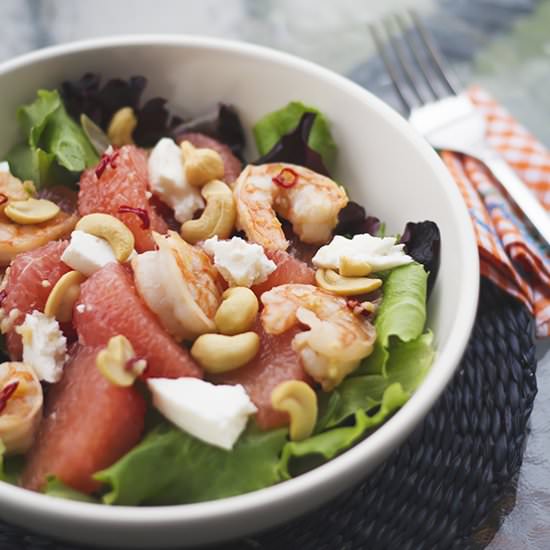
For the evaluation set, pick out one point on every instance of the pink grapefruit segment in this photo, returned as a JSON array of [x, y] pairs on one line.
[[276, 362], [109, 305], [123, 181], [89, 424], [289, 270], [31, 277]]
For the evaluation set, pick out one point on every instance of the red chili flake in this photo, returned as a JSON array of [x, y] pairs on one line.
[[286, 178], [140, 212], [107, 159], [6, 393], [3, 296], [3, 199]]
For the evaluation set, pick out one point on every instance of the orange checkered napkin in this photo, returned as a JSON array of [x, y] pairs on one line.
[[510, 255]]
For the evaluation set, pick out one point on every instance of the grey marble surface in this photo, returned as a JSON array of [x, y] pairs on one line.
[[502, 44]]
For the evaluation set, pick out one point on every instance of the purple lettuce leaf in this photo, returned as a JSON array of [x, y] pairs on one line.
[[294, 149], [353, 220], [100, 103], [223, 125], [87, 96], [422, 242], [154, 122]]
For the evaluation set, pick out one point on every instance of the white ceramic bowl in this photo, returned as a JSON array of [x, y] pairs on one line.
[[385, 166]]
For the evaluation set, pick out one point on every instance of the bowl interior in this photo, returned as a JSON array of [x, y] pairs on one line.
[[383, 165]]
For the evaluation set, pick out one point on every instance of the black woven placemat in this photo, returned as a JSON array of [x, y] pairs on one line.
[[434, 490]]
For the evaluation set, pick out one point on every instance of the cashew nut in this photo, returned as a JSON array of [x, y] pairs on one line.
[[112, 230], [117, 362], [218, 217], [11, 189], [121, 127], [300, 402], [349, 267], [31, 211], [329, 280], [237, 312], [220, 353], [63, 296], [201, 165]]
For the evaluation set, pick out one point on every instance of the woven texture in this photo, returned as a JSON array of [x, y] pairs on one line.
[[434, 490]]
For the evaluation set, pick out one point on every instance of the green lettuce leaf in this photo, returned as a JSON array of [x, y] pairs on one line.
[[32, 164], [402, 314], [403, 309], [407, 366], [360, 392], [172, 467], [328, 444], [409, 362], [33, 118], [11, 467], [56, 488], [375, 363], [56, 148], [400, 360], [269, 130]]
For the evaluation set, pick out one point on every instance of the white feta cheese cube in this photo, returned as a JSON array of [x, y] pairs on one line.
[[380, 252], [4, 167], [167, 178], [44, 346], [240, 263], [213, 414], [87, 253]]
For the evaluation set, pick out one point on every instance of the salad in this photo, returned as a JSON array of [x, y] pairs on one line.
[[181, 324]]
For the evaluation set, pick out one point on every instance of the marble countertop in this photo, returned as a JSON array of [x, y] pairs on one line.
[[502, 44]]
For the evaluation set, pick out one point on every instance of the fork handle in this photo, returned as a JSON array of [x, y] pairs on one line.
[[520, 193]]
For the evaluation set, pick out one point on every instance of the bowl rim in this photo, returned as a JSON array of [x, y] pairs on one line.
[[396, 428]]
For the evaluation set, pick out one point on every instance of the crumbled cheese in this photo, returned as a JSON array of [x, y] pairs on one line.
[[5, 167], [380, 253], [216, 414], [87, 253], [81, 308], [45, 283], [168, 181], [240, 263], [44, 346]]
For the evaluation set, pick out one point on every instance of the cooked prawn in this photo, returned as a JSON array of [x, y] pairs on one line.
[[20, 406], [180, 284], [310, 201], [338, 338], [16, 238]]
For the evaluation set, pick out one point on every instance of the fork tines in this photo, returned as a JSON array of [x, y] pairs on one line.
[[413, 62]]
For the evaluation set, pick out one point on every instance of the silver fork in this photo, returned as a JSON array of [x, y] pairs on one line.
[[440, 111]]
